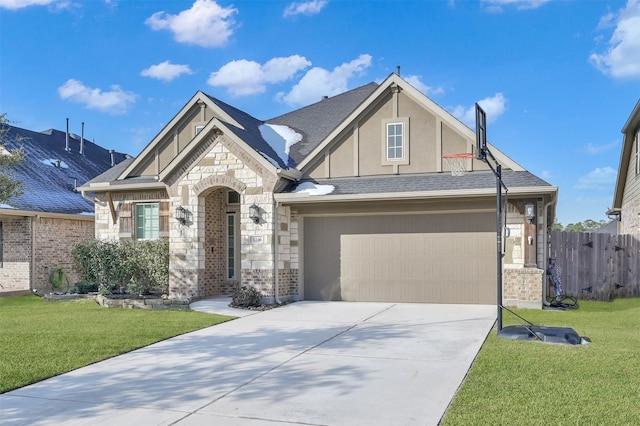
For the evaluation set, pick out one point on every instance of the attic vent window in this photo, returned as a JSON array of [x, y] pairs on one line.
[[199, 129]]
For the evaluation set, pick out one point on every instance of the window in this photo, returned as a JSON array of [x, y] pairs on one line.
[[199, 129], [395, 141], [231, 246], [233, 197], [147, 221]]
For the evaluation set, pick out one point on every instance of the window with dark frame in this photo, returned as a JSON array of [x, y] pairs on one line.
[[233, 197], [231, 246]]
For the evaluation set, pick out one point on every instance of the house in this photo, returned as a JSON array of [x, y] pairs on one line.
[[345, 199], [626, 198], [39, 228]]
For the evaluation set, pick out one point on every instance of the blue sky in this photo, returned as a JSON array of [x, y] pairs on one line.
[[558, 79]]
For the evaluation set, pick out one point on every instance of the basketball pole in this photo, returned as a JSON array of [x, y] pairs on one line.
[[483, 153]]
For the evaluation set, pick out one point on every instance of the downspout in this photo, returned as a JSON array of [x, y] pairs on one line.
[[32, 278], [545, 248], [276, 278]]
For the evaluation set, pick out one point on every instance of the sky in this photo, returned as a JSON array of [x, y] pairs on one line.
[[557, 79]]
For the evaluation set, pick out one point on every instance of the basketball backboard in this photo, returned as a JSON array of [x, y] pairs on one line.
[[481, 133]]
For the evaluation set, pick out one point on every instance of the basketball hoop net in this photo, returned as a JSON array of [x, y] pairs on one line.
[[458, 162]]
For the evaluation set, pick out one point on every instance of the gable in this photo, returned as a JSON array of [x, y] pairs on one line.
[[173, 139], [628, 182], [359, 147]]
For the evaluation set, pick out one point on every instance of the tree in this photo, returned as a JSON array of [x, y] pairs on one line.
[[588, 225], [9, 186]]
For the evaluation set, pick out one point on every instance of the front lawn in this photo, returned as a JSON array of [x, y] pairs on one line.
[[530, 383], [40, 339]]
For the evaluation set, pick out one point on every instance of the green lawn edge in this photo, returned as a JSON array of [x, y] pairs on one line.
[[40, 339], [533, 383]]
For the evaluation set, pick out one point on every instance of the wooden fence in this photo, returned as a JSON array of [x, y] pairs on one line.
[[597, 266]]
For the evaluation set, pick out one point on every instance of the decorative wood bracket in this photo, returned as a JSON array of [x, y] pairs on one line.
[[112, 208]]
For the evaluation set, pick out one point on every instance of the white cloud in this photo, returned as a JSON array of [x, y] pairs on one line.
[[166, 71], [598, 179], [19, 4], [318, 82], [116, 101], [497, 5], [494, 107], [415, 81], [206, 24], [622, 57], [546, 174], [243, 77], [597, 149], [305, 8]]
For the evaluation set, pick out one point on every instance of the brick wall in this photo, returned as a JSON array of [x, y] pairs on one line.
[[15, 272], [54, 242], [522, 287], [54, 239]]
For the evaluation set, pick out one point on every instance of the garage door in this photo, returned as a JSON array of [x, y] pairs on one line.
[[401, 258]]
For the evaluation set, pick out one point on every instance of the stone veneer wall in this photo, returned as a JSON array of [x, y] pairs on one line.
[[522, 287], [222, 165]]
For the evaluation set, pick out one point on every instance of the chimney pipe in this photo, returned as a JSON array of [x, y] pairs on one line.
[[82, 140], [398, 67], [113, 158], [66, 146]]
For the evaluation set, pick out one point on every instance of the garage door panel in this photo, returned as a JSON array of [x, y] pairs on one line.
[[367, 259]]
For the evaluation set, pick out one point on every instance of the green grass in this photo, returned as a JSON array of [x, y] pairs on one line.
[[531, 383], [40, 339]]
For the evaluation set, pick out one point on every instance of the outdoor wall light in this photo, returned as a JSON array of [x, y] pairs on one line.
[[530, 212], [254, 213], [181, 215]]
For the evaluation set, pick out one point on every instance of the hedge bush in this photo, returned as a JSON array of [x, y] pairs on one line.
[[141, 267]]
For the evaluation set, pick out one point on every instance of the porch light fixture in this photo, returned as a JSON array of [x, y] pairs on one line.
[[181, 215], [254, 213], [530, 212]]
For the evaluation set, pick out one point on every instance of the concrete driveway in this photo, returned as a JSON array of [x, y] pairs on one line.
[[309, 363]]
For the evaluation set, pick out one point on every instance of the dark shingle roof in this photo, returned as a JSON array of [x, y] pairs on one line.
[[424, 182], [46, 186], [316, 121], [251, 133]]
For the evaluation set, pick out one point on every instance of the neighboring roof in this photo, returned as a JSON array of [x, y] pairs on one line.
[[425, 183], [609, 228], [316, 121], [628, 133], [50, 174]]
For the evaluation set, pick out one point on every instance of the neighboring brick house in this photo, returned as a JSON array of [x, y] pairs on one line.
[[39, 228], [626, 198], [345, 199]]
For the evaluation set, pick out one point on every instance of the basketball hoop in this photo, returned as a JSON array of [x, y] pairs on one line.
[[458, 162]]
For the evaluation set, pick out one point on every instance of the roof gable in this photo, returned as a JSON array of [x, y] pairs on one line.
[[629, 130], [375, 96], [316, 121]]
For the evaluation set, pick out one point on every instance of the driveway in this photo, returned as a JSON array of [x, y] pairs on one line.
[[309, 363]]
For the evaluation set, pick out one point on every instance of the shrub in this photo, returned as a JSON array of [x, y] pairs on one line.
[[140, 266], [84, 287], [246, 297]]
